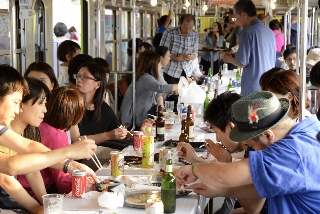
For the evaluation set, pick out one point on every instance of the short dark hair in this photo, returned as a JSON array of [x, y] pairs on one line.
[[148, 63], [187, 18], [100, 75], [157, 39], [103, 63], [146, 45], [11, 81], [315, 75], [218, 112], [161, 50], [75, 64], [162, 20], [60, 29], [138, 45], [44, 68], [274, 25], [67, 47], [288, 51], [245, 6], [65, 108]]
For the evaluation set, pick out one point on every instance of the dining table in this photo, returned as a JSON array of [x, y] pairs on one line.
[[192, 203]]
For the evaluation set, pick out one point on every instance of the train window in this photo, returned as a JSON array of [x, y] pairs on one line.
[[138, 26], [125, 16], [124, 56], [39, 31], [4, 32], [148, 25]]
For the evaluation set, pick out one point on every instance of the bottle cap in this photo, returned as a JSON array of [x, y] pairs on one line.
[[148, 129]]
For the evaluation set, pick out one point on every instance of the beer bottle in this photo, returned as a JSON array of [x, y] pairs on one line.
[[168, 189], [160, 125], [148, 149], [183, 136], [238, 77], [230, 84], [190, 123], [215, 94], [206, 102]]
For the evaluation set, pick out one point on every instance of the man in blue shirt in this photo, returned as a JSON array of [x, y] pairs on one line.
[[284, 167], [256, 53], [182, 42]]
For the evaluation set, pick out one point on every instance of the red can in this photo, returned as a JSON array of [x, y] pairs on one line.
[[79, 183], [137, 140]]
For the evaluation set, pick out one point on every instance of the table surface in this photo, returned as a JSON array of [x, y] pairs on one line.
[[190, 204]]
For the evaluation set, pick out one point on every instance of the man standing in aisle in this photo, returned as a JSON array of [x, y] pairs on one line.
[[256, 53], [182, 42]]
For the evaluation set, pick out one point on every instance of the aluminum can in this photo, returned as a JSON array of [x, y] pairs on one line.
[[154, 206], [137, 140], [79, 183], [117, 163]]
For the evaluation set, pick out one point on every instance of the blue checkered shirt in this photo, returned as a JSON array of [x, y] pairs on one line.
[[178, 44]]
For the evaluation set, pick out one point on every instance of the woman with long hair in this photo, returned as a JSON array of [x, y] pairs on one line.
[[213, 39], [164, 53], [148, 89], [65, 108]]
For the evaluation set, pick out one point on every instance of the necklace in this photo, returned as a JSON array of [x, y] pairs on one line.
[[225, 148]]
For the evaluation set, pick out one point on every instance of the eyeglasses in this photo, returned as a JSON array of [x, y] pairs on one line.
[[83, 77]]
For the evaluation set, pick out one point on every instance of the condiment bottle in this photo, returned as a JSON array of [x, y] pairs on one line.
[[183, 136]]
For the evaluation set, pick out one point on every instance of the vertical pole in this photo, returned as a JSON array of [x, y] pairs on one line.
[[289, 26], [298, 49], [133, 36], [303, 57], [285, 27]]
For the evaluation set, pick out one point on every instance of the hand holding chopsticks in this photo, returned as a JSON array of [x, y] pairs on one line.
[[97, 162], [122, 127]]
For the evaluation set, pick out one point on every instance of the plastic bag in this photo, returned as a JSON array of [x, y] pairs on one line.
[[190, 93]]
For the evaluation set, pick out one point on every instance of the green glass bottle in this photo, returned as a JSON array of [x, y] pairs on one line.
[[238, 75], [168, 189], [230, 84], [206, 102]]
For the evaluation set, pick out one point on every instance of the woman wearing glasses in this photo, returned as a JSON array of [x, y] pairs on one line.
[[99, 121]]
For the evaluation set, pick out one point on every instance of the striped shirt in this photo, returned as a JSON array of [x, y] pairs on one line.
[[179, 44]]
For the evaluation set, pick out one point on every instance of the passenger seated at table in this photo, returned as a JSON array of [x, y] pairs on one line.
[[285, 84], [218, 115], [43, 72], [99, 121], [290, 57], [213, 39], [147, 90], [13, 88], [65, 109], [32, 109]]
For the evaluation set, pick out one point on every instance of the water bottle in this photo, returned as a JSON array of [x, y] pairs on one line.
[[225, 68]]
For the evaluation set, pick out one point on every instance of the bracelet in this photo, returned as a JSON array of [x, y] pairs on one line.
[[193, 165], [66, 165]]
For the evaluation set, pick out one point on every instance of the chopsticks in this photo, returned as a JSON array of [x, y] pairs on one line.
[[152, 116], [94, 156], [121, 127]]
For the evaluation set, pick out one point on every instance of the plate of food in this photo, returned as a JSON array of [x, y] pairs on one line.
[[138, 199], [196, 145], [106, 185]]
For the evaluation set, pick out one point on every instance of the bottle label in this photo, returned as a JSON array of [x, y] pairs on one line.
[[160, 130], [191, 133], [168, 168]]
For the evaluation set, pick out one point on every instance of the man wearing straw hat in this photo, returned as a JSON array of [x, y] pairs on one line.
[[284, 167]]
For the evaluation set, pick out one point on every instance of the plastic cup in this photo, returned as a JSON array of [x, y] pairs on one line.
[[169, 106], [52, 203]]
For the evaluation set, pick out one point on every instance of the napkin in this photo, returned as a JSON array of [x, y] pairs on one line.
[[91, 195], [112, 200]]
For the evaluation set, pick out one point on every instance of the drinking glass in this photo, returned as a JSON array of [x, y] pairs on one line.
[[52, 203], [169, 106]]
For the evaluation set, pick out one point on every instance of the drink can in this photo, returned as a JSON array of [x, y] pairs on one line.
[[154, 206], [117, 163], [166, 155], [79, 183], [137, 140], [147, 151]]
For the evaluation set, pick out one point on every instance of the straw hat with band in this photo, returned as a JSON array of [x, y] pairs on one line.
[[256, 113]]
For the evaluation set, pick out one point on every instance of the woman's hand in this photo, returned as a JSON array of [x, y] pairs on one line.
[[146, 123]]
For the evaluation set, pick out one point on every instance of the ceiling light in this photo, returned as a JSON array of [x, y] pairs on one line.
[[205, 7], [272, 5], [187, 3], [153, 2]]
